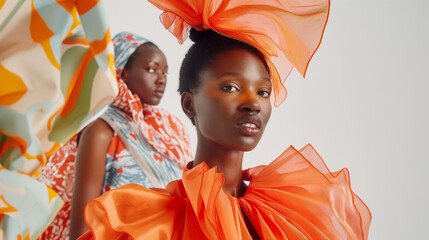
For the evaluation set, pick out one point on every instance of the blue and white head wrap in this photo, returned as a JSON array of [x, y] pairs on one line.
[[125, 43]]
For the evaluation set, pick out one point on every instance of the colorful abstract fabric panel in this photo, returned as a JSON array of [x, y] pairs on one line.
[[56, 73]]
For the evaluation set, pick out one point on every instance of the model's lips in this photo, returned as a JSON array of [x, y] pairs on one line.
[[159, 92], [249, 125]]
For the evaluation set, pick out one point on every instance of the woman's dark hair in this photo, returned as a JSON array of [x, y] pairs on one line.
[[208, 44], [136, 53]]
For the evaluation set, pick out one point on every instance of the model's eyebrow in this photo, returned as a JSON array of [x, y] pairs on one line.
[[238, 75], [157, 63], [229, 74]]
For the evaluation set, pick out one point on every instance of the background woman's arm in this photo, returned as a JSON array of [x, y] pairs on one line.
[[89, 172]]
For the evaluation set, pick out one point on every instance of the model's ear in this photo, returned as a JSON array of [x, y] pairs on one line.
[[187, 101], [124, 75]]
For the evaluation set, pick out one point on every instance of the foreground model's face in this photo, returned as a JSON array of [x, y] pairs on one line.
[[232, 103], [147, 75]]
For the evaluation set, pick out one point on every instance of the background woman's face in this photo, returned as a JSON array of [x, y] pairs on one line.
[[232, 103], [147, 75]]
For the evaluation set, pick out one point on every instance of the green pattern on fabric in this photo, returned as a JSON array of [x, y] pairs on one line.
[[70, 61], [12, 13], [68, 125], [7, 116], [9, 155], [76, 36]]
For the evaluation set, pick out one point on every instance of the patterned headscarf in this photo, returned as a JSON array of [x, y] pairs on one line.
[[164, 132], [125, 43]]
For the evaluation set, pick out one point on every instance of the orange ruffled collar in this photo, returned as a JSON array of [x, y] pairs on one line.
[[294, 197], [287, 32]]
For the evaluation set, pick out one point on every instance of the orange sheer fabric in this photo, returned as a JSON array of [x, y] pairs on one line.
[[287, 32], [294, 197]]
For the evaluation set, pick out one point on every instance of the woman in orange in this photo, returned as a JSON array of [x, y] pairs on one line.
[[226, 88]]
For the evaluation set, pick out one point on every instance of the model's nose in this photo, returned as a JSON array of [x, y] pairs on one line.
[[250, 103]]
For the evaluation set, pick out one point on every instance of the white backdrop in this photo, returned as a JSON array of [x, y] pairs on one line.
[[364, 103]]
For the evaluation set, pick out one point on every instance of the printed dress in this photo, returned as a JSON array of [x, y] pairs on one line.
[[56, 72], [294, 197], [152, 134]]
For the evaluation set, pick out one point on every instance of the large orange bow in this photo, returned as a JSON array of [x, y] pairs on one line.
[[287, 32]]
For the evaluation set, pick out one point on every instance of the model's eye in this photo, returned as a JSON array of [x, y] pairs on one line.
[[151, 70], [264, 93], [230, 88], [165, 74]]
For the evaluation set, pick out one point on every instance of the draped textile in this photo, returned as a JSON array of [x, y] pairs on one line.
[[294, 197], [56, 72]]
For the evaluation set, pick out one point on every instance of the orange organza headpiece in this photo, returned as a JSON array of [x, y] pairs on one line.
[[287, 32]]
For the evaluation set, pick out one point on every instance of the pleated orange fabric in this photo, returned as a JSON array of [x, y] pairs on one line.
[[287, 32], [294, 197]]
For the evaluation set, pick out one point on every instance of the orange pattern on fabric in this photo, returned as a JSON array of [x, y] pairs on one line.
[[83, 6], [8, 209], [133, 136], [82, 41], [16, 142], [76, 22], [26, 237], [116, 146], [98, 46], [61, 168], [53, 149], [51, 118], [158, 157], [172, 143], [111, 59], [67, 5], [39, 157], [51, 193], [20, 143], [41, 33], [2, 2], [13, 87], [10, 144], [75, 85]]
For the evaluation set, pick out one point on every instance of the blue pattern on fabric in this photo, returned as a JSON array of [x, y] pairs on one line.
[[125, 43], [122, 169]]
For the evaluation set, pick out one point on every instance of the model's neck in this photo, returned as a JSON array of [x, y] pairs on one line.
[[227, 161]]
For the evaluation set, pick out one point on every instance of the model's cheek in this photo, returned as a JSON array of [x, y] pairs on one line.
[[211, 121], [267, 120], [266, 113]]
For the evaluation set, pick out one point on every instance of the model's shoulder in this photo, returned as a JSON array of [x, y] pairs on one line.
[[98, 130]]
